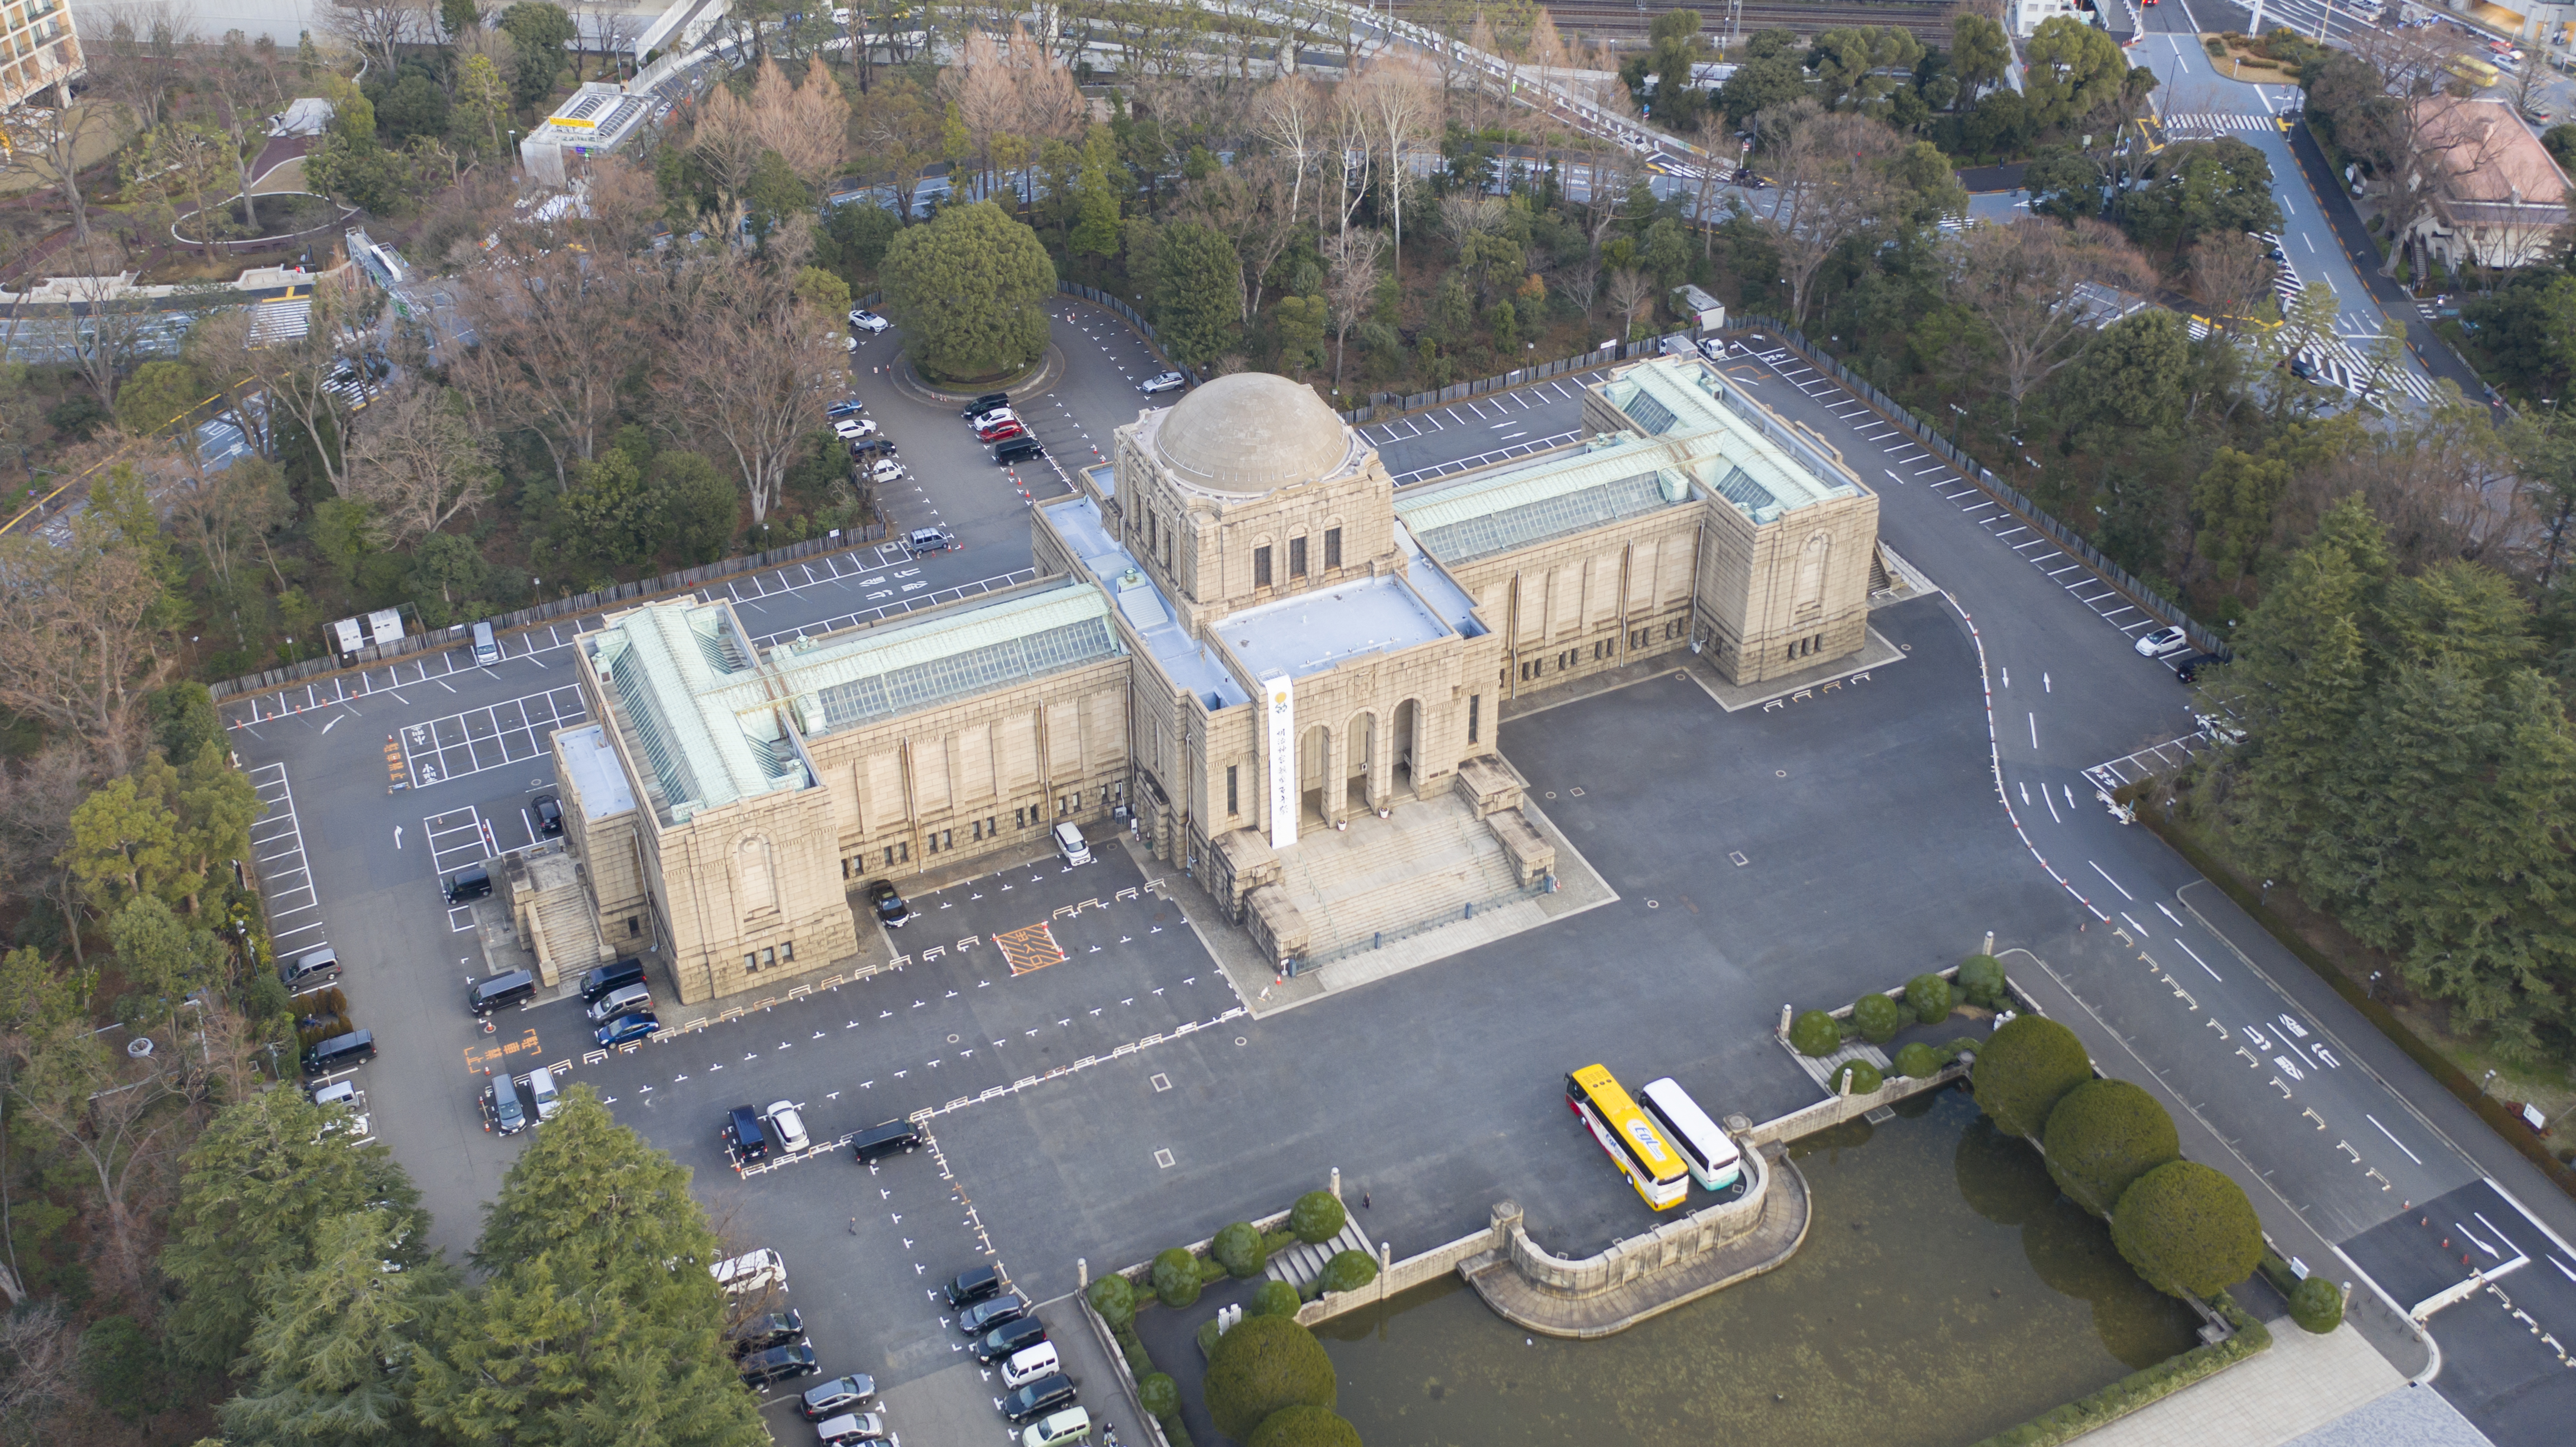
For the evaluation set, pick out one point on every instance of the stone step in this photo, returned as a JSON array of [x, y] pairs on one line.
[[1299, 1263]]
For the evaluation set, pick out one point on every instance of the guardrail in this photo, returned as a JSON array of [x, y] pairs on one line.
[[2002, 491]]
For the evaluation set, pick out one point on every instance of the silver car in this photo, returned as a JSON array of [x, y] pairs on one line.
[[1162, 382]]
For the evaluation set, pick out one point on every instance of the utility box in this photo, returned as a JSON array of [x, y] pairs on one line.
[[1706, 312]]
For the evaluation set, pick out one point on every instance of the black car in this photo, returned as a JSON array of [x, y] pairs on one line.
[[549, 812], [979, 1283], [889, 907], [775, 1329], [1044, 1395], [1002, 1342], [780, 1364], [2187, 667], [852, 1393], [984, 404], [983, 1316], [744, 1137]]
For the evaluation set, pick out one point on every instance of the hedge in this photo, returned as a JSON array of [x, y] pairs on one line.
[[1176, 1277], [1877, 1017], [1238, 1248], [1347, 1271], [2024, 1069], [1816, 1034], [1920, 1061], [2102, 1137], [2316, 1304], [2141, 1388], [1981, 980], [1275, 1298], [1317, 1217], [1114, 1297], [1864, 1077], [1929, 995]]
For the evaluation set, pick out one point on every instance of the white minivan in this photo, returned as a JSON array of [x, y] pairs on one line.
[[1068, 842], [1029, 1364], [542, 1093], [1062, 1429]]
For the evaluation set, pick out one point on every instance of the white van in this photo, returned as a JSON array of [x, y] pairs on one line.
[[1068, 842], [542, 1093], [752, 1271], [1029, 1364], [1060, 1429], [487, 649]]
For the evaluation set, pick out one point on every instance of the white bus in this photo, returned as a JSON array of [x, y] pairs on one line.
[[1711, 1152]]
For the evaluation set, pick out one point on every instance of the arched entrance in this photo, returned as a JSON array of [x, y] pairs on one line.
[[1403, 740], [1359, 749], [1314, 764]]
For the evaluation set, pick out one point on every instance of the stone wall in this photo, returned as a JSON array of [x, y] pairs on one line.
[[1825, 1114], [1669, 1244]]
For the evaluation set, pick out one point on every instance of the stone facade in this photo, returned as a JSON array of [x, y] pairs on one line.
[[1241, 632]]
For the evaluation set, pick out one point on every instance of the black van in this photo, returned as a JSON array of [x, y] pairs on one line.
[[744, 1137], [895, 1137], [471, 882], [499, 992], [1016, 449], [600, 981], [974, 1284], [340, 1052]]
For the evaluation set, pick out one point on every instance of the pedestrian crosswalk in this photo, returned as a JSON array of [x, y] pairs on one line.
[[2344, 362], [2191, 126]]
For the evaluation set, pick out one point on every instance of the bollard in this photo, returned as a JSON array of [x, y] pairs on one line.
[[1337, 1183], [1081, 1273]]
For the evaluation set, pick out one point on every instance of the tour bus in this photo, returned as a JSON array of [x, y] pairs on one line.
[[1711, 1152], [1614, 1120], [2473, 70]]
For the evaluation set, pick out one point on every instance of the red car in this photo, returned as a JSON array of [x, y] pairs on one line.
[[1000, 428]]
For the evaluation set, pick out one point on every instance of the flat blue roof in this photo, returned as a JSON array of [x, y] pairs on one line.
[[1184, 660], [1320, 630]]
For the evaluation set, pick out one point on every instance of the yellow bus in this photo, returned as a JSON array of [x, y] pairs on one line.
[[2473, 70], [1651, 1166]]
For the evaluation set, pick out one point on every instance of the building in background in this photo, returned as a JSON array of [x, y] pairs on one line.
[[38, 53]]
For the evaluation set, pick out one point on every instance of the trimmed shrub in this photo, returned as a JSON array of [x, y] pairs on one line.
[[1176, 1277], [1920, 1061], [2187, 1229], [1981, 980], [1238, 1249], [1275, 1298], [1929, 994], [2316, 1305], [1316, 1218], [1304, 1427], [1347, 1271], [1114, 1297], [1265, 1364], [2102, 1137], [1878, 1018], [1815, 1034], [1157, 1393], [2024, 1069], [1864, 1077]]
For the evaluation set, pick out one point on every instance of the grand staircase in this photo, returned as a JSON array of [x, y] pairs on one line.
[[1428, 859]]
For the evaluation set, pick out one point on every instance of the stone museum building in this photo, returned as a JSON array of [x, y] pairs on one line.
[[1244, 644]]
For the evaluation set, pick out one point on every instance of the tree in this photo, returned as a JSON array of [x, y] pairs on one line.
[[612, 515], [187, 168], [2065, 183], [1979, 54], [1176, 1277], [748, 364], [2104, 1135], [1237, 1247], [2069, 67], [2236, 498], [259, 1187], [1350, 288], [54, 138], [1302, 1426], [1347, 1271], [115, 1117], [159, 397], [482, 104], [1317, 1217], [2187, 1230], [2132, 378], [539, 32], [1261, 1365], [2026, 1067], [224, 513], [553, 335], [1114, 1297], [699, 506], [970, 291], [1198, 294], [36, 804], [2197, 187], [2022, 278], [1857, 66], [1833, 186], [1403, 107], [2316, 1305], [335, 1339], [161, 955], [599, 1305], [1877, 1017], [81, 634], [420, 463], [1928, 996], [1815, 1034]]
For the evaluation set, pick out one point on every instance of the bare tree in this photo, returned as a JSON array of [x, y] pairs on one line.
[[293, 374], [1404, 108], [36, 803], [378, 29], [103, 348], [2021, 279], [419, 461], [749, 362], [1350, 287], [1833, 186], [553, 334], [2231, 276], [39, 1359], [51, 139], [116, 1117], [77, 646], [1352, 157], [242, 80], [1630, 291], [1291, 115], [134, 54], [223, 513]]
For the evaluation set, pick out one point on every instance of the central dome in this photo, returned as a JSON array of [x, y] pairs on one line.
[[1251, 432]]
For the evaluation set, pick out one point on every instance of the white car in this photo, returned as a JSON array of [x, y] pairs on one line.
[[851, 429], [1162, 382], [868, 321], [789, 1122], [886, 470], [2162, 642], [751, 1272]]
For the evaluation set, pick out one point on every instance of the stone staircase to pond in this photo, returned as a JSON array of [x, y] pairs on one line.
[[1299, 1264]]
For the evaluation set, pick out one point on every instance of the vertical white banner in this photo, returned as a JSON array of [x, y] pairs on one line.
[[1283, 761]]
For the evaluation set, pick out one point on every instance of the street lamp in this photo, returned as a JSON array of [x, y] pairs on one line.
[[2483, 1084]]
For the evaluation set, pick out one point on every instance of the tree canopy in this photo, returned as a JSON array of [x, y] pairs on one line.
[[970, 291], [2102, 1137], [2188, 1230], [2024, 1069], [1264, 1364]]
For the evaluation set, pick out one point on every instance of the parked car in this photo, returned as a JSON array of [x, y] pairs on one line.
[[624, 1000], [884, 470], [1061, 1429], [846, 407], [625, 1028], [1030, 1363], [743, 1135], [1069, 843], [770, 1329], [471, 882], [2188, 667], [2162, 642], [1162, 382], [921, 542], [850, 1429], [983, 1316], [888, 906], [502, 1112], [543, 1097], [615, 975], [549, 812], [1017, 449], [1046, 1394], [999, 425], [1009, 1339], [984, 404], [750, 1272], [974, 1284], [851, 429], [837, 1396], [788, 1124], [868, 321], [779, 1364], [894, 1137]]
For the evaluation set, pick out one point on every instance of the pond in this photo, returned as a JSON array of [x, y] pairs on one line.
[[1945, 1292]]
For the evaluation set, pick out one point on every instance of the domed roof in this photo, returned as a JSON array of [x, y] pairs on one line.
[[1251, 432]]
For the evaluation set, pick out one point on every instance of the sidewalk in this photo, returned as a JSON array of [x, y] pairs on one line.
[[2303, 1383]]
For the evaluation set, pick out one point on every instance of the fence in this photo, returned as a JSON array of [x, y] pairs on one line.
[[577, 604], [1995, 487], [1379, 940], [1116, 304]]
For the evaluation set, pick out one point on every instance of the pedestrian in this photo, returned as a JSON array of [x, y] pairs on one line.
[[1364, 1200], [854, 1225]]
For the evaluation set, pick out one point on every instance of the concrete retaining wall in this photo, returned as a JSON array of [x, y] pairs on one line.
[[1669, 1244], [1825, 1114]]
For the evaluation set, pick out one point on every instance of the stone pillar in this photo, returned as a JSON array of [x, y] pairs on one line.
[[1506, 1218], [1337, 1183], [1081, 1273]]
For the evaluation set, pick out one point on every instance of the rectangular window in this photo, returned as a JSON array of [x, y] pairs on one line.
[[634, 927], [1296, 557], [1167, 547], [1149, 531], [768, 957], [1233, 802], [1261, 567], [1332, 547], [750, 963], [1474, 702], [787, 951]]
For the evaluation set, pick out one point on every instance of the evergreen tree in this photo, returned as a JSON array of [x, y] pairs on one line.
[[1198, 294], [333, 1348]]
